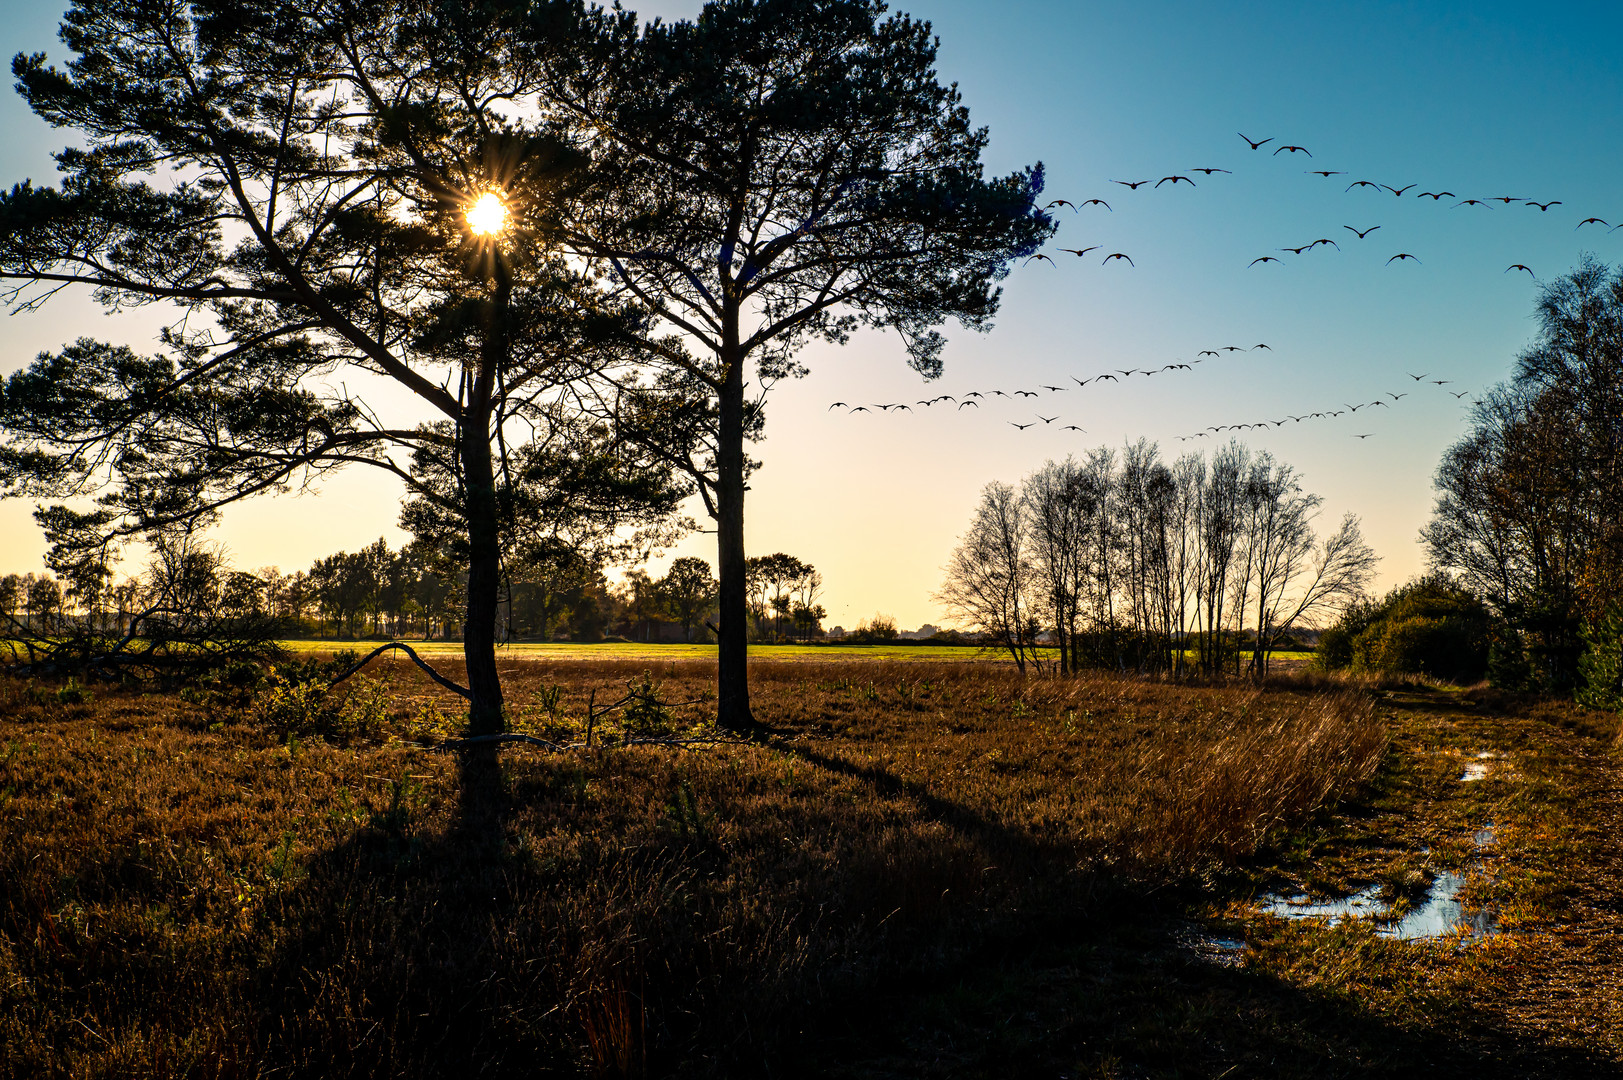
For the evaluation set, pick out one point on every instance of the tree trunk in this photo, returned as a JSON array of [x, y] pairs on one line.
[[484, 539], [484, 583], [732, 654]]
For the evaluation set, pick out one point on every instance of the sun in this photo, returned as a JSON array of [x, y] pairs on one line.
[[488, 216]]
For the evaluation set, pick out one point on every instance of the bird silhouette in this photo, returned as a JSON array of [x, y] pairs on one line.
[[1382, 404], [1297, 250], [1326, 173], [1173, 180], [1112, 378], [1519, 266], [1442, 382], [1000, 393], [1124, 374], [1415, 377], [1232, 348], [1021, 427], [1316, 243], [904, 408], [1435, 195], [1060, 202], [1041, 256], [974, 393], [1119, 255], [1545, 206], [1047, 419], [1265, 258], [1401, 255], [837, 405], [1457, 393], [1396, 397], [1079, 252], [1469, 202], [1254, 348], [1072, 427], [1358, 234], [1506, 199], [966, 404], [1047, 387], [1080, 382], [1025, 393], [860, 408], [1254, 144], [1353, 408], [1397, 191], [1132, 185], [1292, 149], [1589, 221], [1364, 183], [1209, 172], [1207, 352], [1363, 436], [1098, 202]]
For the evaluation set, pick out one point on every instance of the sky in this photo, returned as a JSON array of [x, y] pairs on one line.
[[1479, 99]]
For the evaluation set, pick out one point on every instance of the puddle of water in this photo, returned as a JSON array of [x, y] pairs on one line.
[[1439, 914], [1212, 948], [1485, 836], [1474, 770], [1360, 905]]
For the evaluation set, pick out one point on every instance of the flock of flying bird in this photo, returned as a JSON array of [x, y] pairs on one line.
[[974, 398], [1259, 144]]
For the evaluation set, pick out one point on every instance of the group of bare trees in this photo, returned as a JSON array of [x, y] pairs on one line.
[[1123, 560]]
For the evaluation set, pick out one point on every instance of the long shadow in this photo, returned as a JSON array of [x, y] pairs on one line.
[[963, 819], [1118, 994], [395, 969]]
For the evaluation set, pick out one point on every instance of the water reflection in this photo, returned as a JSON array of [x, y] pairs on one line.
[[1439, 914]]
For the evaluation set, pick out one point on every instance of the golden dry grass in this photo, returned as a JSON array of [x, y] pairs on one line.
[[188, 895]]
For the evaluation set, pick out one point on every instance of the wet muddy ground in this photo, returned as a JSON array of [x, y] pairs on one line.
[[1463, 916]]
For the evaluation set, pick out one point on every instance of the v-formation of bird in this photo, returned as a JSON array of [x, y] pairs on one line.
[[1347, 409], [973, 399], [1261, 145]]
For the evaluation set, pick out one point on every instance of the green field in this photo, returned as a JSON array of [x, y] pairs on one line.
[[620, 650]]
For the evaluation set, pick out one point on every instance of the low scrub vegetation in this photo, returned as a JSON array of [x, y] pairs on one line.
[[200, 886], [1428, 627]]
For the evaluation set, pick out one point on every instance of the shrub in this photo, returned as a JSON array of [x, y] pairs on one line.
[[1429, 627], [297, 703], [1600, 669], [879, 628]]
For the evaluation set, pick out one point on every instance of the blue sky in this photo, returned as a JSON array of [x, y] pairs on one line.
[[1481, 99]]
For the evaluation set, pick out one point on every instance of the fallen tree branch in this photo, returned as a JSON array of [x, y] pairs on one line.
[[419, 661]]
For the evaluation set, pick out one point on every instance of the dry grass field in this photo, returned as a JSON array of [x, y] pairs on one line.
[[193, 890]]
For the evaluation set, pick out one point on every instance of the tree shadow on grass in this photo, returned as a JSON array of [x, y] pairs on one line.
[[1122, 993], [402, 960]]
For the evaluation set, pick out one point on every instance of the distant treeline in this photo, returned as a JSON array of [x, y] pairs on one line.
[[412, 592]]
